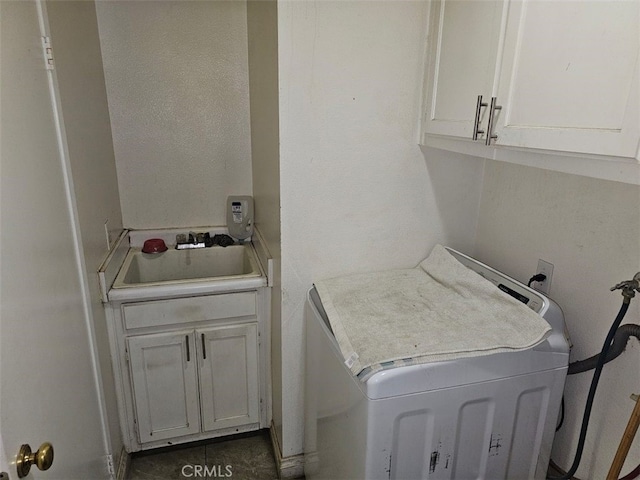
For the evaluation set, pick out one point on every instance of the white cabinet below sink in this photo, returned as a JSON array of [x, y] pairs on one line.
[[199, 380], [228, 373], [191, 368], [165, 385]]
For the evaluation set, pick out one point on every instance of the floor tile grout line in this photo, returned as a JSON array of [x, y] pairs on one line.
[[233, 452]]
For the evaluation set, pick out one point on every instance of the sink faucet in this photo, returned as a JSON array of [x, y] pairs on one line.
[[193, 240]]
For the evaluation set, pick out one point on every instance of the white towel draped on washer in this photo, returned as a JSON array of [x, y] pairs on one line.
[[440, 310]]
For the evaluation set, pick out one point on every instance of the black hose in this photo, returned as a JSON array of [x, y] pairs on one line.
[[559, 426], [617, 347], [635, 473], [592, 390]]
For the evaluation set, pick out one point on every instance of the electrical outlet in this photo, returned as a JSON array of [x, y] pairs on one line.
[[546, 269]]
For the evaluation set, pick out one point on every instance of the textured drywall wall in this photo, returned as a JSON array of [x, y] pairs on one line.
[[262, 29], [357, 193], [178, 90], [74, 33], [589, 230]]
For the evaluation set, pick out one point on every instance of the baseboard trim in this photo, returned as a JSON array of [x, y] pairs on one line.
[[288, 467], [124, 462]]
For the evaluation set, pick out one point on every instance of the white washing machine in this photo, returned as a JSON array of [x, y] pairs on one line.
[[486, 417]]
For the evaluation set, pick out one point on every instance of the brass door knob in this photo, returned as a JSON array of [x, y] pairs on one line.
[[42, 459]]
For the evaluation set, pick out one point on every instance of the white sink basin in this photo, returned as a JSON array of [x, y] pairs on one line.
[[179, 266]]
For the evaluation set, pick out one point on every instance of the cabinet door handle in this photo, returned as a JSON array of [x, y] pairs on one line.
[[476, 130], [186, 338], [492, 111], [204, 347]]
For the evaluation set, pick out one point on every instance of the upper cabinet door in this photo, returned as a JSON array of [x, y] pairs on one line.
[[569, 78], [464, 42]]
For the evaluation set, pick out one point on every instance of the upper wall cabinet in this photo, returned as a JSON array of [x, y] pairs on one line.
[[465, 38], [561, 75]]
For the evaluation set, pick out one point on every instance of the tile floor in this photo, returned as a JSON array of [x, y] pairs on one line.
[[243, 457]]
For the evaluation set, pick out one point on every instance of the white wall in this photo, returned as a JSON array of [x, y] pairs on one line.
[[74, 32], [262, 29], [178, 89], [356, 192], [589, 230]]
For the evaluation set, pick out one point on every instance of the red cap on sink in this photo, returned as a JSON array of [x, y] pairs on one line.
[[154, 245]]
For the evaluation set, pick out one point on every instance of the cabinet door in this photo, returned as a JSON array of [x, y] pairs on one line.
[[464, 48], [569, 80], [165, 388], [228, 376]]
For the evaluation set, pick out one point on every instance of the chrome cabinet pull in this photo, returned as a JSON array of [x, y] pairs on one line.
[[204, 348], [186, 338], [476, 125], [492, 111]]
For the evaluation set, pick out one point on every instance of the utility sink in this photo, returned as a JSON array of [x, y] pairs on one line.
[[179, 266]]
